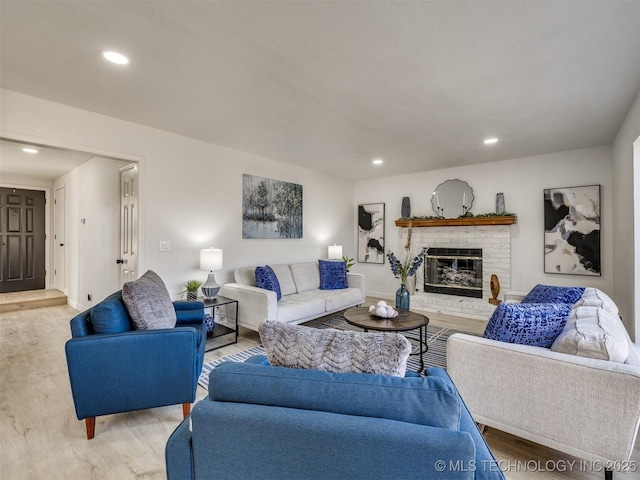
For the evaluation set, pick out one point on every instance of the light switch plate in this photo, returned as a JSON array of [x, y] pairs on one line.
[[165, 246]]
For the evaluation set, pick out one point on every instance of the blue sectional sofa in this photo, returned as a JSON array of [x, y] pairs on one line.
[[267, 422]]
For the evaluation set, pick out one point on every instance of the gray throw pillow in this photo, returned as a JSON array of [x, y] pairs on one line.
[[331, 350], [149, 303]]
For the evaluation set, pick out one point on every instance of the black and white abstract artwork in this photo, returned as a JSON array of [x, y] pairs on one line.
[[572, 230], [371, 233], [271, 208]]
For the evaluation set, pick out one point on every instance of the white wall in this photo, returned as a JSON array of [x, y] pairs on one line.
[[625, 255], [190, 190], [522, 181], [92, 247], [191, 196]]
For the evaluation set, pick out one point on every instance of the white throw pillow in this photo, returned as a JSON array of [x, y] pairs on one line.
[[595, 333], [592, 297]]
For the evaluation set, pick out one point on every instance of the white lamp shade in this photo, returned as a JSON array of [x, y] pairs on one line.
[[335, 252], [211, 259]]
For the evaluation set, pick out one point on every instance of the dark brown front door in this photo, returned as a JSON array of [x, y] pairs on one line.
[[22, 238]]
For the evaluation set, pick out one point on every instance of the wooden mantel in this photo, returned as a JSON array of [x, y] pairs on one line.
[[457, 222]]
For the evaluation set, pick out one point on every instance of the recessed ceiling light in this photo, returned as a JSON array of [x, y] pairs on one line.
[[377, 161], [29, 150], [115, 57], [489, 141]]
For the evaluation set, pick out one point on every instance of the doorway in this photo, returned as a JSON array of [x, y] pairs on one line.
[[22, 240]]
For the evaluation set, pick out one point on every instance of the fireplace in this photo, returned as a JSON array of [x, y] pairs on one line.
[[453, 271]]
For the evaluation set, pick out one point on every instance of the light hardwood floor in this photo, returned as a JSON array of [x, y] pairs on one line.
[[42, 439]]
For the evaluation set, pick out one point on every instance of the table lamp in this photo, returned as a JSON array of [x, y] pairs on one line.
[[335, 252], [210, 259]]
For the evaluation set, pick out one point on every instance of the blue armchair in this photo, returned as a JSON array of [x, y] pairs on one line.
[[133, 369]]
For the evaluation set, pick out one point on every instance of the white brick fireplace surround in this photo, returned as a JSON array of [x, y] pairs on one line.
[[495, 242]]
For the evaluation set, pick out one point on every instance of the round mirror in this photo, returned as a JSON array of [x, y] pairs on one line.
[[452, 199]]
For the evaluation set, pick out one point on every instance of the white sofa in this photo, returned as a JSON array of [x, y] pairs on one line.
[[586, 407], [302, 299]]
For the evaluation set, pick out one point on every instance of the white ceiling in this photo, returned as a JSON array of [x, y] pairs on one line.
[[48, 163], [331, 85]]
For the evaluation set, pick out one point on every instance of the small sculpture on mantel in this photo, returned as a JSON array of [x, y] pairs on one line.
[[495, 290]]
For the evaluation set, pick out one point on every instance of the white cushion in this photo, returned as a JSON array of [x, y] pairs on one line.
[[287, 285], [592, 297], [595, 333], [634, 357], [245, 276], [306, 276], [339, 299], [299, 306]]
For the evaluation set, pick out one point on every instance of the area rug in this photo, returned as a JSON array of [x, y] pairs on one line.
[[434, 357]]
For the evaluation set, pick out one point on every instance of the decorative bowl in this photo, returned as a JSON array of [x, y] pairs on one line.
[[382, 310], [393, 315]]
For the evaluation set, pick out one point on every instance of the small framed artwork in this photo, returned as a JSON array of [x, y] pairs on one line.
[[371, 233], [572, 230]]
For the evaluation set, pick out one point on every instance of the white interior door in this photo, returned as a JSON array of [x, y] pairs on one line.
[[128, 223], [59, 240]]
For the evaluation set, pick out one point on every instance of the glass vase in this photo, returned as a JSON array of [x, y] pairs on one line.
[[402, 298]]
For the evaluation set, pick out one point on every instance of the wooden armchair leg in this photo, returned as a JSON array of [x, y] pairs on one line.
[[90, 423], [186, 410]]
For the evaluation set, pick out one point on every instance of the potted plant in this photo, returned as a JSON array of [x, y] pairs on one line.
[[191, 289], [349, 261]]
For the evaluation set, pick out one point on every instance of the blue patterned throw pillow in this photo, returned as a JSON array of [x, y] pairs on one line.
[[266, 278], [552, 294], [536, 324], [333, 275]]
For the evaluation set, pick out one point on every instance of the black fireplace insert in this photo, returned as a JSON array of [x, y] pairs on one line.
[[453, 271]]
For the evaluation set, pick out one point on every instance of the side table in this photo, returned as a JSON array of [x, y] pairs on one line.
[[227, 310]]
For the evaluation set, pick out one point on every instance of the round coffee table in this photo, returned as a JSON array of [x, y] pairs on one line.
[[403, 322]]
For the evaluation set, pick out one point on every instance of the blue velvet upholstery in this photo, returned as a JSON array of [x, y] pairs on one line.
[[295, 424], [110, 315], [135, 369], [263, 360], [266, 278], [552, 294], [333, 275], [357, 394], [536, 324]]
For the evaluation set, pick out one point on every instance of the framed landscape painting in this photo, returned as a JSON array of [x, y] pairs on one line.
[[371, 233], [572, 230], [271, 208]]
